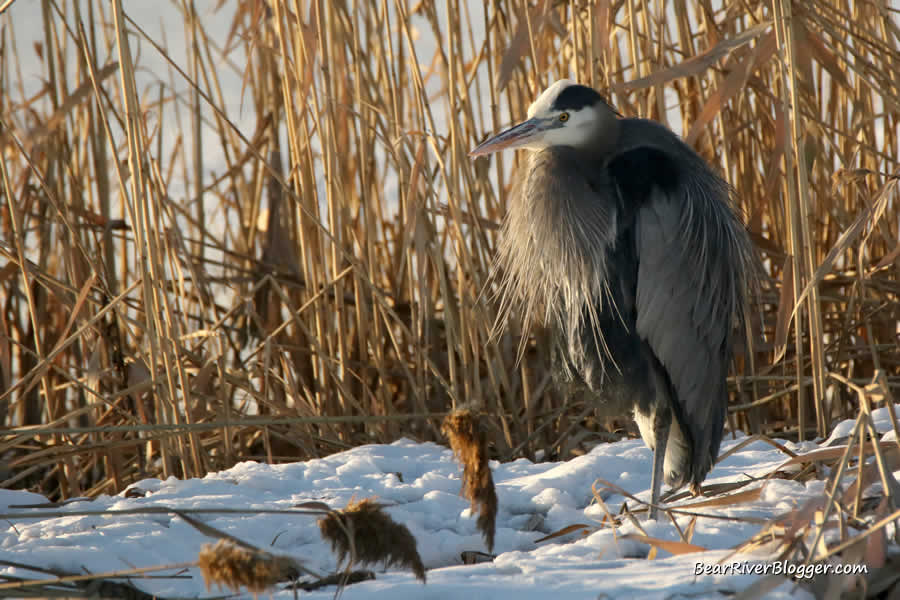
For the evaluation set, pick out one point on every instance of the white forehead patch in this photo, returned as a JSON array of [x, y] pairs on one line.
[[545, 100]]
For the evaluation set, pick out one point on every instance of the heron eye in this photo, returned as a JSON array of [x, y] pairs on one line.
[[564, 117]]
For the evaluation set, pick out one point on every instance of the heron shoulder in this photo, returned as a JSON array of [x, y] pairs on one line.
[[635, 133], [648, 155]]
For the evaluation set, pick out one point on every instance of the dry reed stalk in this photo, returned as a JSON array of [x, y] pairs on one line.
[[68, 585]]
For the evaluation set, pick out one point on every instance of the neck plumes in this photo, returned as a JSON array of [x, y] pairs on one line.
[[552, 254]]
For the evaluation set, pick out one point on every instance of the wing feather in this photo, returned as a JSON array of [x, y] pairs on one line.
[[692, 254]]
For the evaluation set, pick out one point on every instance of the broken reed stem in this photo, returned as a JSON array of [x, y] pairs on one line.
[[800, 214]]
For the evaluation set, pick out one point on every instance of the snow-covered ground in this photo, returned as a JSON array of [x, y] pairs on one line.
[[419, 484]]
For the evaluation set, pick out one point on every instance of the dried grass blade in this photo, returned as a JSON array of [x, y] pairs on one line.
[[37, 135], [866, 218], [729, 500], [785, 302], [520, 44], [696, 64], [756, 438], [832, 453], [735, 81], [673, 547], [564, 531]]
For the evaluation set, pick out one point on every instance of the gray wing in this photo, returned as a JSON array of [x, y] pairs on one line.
[[692, 255]]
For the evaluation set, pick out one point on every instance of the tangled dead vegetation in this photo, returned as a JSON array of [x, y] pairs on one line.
[[855, 522], [323, 285], [362, 533]]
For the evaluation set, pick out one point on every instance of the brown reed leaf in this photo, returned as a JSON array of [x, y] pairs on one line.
[[756, 437], [867, 219], [695, 64], [38, 135], [750, 495], [890, 258], [585, 529], [365, 534], [834, 453], [521, 41], [469, 443], [732, 84], [673, 547], [785, 303]]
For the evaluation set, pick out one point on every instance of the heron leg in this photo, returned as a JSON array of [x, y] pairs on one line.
[[662, 422]]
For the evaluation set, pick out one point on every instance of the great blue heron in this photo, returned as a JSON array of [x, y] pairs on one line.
[[625, 241]]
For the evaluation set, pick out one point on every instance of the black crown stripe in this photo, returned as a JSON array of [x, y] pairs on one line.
[[576, 97]]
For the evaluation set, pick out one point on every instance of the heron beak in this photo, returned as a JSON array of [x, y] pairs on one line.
[[514, 137]]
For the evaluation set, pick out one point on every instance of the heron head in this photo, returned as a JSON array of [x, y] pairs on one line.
[[565, 114]]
